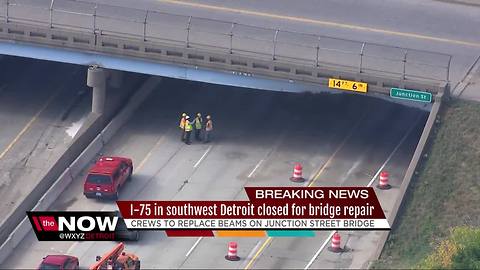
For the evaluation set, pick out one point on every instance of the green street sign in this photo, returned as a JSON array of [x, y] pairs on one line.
[[410, 95]]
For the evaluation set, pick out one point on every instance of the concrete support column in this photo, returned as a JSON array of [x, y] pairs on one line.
[[96, 78], [116, 78]]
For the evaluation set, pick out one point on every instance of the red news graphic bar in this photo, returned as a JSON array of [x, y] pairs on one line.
[[267, 203], [308, 194], [189, 233]]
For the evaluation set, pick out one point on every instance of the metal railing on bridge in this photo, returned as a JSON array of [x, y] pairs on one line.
[[230, 38]]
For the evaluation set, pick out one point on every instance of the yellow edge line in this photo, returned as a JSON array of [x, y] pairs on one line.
[[144, 160], [258, 252], [326, 164], [350, 133], [27, 126], [321, 22]]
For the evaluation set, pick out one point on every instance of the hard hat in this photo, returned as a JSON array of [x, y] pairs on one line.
[[199, 114], [208, 116], [184, 114], [187, 117]]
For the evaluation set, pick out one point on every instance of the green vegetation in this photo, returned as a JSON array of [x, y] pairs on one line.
[[461, 250], [445, 193]]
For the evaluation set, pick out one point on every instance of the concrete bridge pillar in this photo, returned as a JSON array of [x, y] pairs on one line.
[[96, 78], [116, 78]]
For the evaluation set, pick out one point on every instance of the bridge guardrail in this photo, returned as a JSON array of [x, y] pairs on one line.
[[230, 38]]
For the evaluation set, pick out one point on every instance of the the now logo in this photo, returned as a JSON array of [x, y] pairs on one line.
[[55, 226], [87, 224]]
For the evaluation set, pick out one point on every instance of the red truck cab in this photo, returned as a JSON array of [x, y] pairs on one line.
[[59, 262], [107, 176]]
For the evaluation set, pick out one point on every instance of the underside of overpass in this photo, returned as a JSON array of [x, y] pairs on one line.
[[199, 49], [103, 67], [130, 64]]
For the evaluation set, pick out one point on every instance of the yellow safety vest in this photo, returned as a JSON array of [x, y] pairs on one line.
[[198, 123], [188, 126]]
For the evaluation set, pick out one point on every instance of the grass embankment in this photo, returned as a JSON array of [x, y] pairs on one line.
[[445, 192]]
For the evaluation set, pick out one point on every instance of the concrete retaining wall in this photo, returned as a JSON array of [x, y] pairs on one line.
[[90, 128], [92, 149], [78, 165], [24, 227], [408, 175]]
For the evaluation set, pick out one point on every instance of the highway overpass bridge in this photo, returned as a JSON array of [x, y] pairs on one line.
[[222, 53], [210, 51]]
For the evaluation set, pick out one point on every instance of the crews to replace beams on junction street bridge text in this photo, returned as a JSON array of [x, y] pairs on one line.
[[187, 126]]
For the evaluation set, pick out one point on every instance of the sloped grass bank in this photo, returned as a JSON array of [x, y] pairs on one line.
[[445, 191]]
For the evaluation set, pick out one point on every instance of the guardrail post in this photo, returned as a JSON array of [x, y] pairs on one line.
[[6, 11], [318, 51], [145, 27], [231, 38], [188, 30], [274, 44], [448, 68], [404, 63], [51, 13], [94, 19], [361, 57]]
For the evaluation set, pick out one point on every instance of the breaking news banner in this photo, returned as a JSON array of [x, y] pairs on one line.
[[268, 208], [78, 226]]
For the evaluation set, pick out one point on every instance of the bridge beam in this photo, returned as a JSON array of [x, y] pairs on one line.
[[96, 78], [115, 78]]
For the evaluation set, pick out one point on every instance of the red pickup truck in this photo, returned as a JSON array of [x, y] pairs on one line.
[[107, 176], [59, 262]]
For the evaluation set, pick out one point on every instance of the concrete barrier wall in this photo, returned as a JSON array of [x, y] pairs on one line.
[[92, 149], [76, 167], [408, 175], [90, 128], [54, 191]]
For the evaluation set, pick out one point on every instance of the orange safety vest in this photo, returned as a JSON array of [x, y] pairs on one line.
[[182, 123], [209, 125]]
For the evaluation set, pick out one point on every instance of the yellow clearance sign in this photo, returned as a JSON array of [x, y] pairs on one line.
[[348, 85]]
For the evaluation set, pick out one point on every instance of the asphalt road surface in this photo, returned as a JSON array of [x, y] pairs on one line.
[[42, 106], [340, 140]]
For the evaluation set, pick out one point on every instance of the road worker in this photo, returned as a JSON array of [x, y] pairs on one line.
[[182, 125], [188, 129], [198, 122], [208, 129]]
